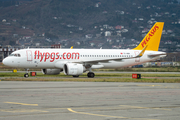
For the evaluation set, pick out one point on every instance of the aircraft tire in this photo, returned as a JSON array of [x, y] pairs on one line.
[[26, 75], [90, 75], [75, 75]]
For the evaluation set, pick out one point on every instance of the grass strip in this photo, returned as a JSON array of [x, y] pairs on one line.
[[111, 77], [96, 75], [142, 80]]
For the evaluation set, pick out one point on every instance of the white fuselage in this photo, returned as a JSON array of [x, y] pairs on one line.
[[56, 58]]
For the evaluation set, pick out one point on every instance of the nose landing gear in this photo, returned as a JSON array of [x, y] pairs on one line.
[[26, 75]]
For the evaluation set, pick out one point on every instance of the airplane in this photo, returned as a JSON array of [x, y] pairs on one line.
[[75, 62]]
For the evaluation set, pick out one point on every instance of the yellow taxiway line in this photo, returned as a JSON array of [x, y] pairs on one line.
[[108, 115], [21, 103]]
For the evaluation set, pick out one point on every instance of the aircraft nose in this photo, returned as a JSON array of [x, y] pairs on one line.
[[5, 61]]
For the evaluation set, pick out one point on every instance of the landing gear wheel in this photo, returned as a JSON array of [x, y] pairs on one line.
[[26, 75], [90, 74], [75, 75]]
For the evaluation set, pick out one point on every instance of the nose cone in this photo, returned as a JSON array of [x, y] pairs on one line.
[[10, 61], [5, 61]]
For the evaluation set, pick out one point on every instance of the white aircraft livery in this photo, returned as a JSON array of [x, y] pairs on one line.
[[77, 61]]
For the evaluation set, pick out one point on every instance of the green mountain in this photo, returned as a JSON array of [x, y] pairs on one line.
[[59, 20]]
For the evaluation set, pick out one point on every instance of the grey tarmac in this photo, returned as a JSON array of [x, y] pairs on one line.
[[89, 101]]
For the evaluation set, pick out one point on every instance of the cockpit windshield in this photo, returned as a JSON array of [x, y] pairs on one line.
[[15, 54]]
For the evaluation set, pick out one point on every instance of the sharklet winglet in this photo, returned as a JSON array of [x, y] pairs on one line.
[[142, 52]]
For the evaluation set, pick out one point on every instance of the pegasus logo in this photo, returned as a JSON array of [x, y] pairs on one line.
[[148, 37]]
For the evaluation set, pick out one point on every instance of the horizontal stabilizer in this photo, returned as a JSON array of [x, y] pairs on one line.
[[155, 55]]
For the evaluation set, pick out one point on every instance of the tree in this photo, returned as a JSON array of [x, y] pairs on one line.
[[12, 42], [3, 38]]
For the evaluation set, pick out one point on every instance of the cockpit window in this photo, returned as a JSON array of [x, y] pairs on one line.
[[11, 55], [16, 55]]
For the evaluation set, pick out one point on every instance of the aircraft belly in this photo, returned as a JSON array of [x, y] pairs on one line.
[[45, 65], [112, 65]]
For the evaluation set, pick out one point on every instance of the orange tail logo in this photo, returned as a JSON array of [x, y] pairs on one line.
[[152, 39]]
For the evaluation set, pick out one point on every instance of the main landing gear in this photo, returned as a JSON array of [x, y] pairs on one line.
[[26, 75], [75, 76], [90, 75]]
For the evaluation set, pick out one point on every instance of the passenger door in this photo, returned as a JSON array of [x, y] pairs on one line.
[[29, 55]]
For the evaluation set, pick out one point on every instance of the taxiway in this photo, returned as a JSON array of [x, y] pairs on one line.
[[89, 100]]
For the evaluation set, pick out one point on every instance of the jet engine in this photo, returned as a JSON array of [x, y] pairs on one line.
[[51, 71], [73, 69]]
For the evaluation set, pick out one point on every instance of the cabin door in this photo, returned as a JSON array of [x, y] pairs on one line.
[[29, 55]]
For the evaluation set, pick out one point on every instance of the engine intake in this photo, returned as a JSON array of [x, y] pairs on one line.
[[73, 69]]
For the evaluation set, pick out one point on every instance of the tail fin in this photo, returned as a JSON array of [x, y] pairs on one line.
[[152, 39]]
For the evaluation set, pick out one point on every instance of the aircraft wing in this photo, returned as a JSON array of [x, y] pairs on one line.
[[113, 59]]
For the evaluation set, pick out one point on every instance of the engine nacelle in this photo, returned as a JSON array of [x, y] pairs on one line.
[[73, 69], [51, 71]]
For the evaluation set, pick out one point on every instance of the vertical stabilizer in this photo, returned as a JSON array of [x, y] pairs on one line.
[[152, 39]]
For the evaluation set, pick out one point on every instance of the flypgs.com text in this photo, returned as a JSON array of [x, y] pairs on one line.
[[55, 55]]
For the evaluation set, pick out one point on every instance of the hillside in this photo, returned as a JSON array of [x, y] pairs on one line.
[[83, 23]]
